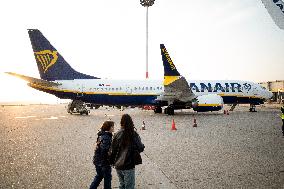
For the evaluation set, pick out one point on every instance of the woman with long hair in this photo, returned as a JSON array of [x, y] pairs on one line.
[[126, 148], [101, 157]]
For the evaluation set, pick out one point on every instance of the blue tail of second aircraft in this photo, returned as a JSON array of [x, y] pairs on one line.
[[51, 64]]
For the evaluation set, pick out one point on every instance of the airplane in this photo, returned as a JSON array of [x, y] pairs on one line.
[[174, 92]]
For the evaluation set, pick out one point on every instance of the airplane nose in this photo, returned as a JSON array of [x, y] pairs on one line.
[[270, 94]]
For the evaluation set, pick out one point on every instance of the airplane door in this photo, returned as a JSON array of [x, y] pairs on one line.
[[80, 88], [255, 91], [245, 91], [128, 90]]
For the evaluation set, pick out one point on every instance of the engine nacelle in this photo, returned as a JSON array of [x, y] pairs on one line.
[[209, 102]]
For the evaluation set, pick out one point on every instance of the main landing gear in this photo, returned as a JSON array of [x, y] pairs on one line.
[[168, 110], [252, 108], [158, 109], [77, 106]]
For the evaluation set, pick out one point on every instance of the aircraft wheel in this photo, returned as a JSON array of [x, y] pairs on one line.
[[169, 111], [158, 109], [166, 111]]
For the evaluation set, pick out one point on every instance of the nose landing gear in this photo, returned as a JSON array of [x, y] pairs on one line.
[[252, 108]]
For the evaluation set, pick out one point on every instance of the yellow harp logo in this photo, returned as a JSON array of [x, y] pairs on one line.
[[46, 58]]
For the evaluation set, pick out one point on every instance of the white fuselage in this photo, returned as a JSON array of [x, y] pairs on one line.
[[225, 88]]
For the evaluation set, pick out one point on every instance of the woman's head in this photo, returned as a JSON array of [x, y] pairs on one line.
[[108, 126], [128, 126], [126, 122]]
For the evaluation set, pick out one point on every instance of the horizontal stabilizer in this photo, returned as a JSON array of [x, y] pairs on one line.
[[178, 90], [34, 80]]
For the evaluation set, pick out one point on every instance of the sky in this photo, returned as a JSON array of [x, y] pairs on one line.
[[207, 40]]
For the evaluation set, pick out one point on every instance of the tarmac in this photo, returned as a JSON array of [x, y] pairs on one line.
[[42, 146]]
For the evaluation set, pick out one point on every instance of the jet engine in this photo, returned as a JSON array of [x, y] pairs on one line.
[[209, 102]]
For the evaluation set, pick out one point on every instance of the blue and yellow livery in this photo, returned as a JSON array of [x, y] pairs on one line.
[[58, 78], [51, 65]]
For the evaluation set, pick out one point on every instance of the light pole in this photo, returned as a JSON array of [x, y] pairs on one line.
[[147, 3]]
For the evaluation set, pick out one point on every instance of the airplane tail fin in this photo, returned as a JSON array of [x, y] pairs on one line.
[[176, 87], [51, 64], [276, 10], [170, 72]]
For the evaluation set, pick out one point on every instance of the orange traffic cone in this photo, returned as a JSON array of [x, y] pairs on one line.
[[143, 126], [174, 125], [194, 122]]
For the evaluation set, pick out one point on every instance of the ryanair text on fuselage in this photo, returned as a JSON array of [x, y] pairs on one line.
[[218, 87]]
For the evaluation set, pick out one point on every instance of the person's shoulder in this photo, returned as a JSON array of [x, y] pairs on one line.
[[136, 133], [136, 136], [118, 133], [106, 135], [100, 133]]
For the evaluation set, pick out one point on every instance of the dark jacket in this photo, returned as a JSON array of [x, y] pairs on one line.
[[135, 144], [101, 157]]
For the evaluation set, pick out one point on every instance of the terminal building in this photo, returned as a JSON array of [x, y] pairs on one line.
[[277, 88]]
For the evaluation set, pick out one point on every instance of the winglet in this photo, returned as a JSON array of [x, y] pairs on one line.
[[276, 10], [170, 72]]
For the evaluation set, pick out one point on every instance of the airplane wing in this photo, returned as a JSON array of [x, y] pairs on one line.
[[276, 10], [34, 80], [176, 87]]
